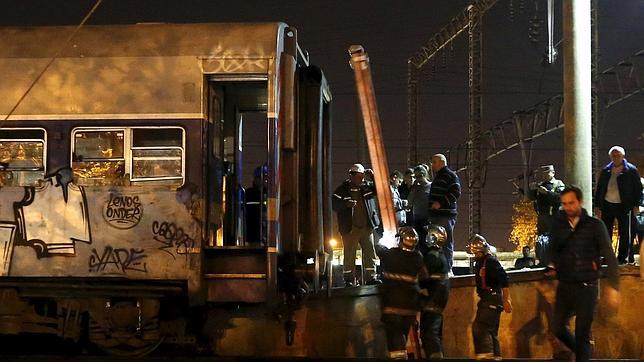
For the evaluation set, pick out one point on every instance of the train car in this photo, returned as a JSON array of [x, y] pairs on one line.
[[149, 171]]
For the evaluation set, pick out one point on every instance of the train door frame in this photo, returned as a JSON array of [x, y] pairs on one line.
[[224, 149]]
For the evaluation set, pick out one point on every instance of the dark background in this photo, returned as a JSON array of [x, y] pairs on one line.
[[391, 31]]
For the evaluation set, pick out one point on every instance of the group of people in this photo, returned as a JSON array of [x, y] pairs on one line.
[[618, 197], [418, 203], [572, 245]]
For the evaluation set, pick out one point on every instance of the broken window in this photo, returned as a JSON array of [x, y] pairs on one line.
[[98, 157], [129, 156], [22, 156]]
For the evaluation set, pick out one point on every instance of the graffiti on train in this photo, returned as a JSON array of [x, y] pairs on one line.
[[172, 238], [118, 261], [50, 218], [122, 211]]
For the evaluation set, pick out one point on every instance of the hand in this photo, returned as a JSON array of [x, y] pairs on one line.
[[436, 205], [550, 272], [612, 297], [636, 210], [507, 306], [351, 203], [598, 212], [542, 190]]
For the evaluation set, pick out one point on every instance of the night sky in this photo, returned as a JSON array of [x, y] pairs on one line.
[[391, 31]]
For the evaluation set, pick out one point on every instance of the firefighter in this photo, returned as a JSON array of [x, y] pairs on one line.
[[434, 292], [493, 290], [402, 266]]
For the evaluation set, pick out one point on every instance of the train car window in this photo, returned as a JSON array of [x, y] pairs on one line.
[[129, 156], [98, 157], [22, 156], [157, 155]]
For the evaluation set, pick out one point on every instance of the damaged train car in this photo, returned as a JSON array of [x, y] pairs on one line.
[[150, 171]]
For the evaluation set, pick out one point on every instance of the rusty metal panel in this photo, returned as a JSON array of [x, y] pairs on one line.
[[250, 290]]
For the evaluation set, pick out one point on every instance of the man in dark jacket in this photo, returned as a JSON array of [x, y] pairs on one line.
[[443, 195], [492, 287], [402, 267], [546, 203], [578, 242], [418, 202], [355, 204], [434, 293], [618, 195]]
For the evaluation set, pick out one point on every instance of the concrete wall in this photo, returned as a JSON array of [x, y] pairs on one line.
[[348, 323]]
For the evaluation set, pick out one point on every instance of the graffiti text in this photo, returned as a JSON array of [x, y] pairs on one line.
[[171, 236], [119, 260], [123, 211]]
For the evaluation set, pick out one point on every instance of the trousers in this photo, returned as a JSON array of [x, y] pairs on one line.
[[578, 299], [351, 240], [396, 329], [485, 329], [431, 333], [448, 222]]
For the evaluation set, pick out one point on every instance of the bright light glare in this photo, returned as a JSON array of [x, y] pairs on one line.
[[388, 239], [333, 243]]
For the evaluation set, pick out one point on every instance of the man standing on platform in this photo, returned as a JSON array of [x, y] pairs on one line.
[[443, 196], [546, 203], [354, 201], [577, 244], [618, 195]]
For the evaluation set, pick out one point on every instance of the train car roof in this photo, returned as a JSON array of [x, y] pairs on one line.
[[217, 40], [130, 71]]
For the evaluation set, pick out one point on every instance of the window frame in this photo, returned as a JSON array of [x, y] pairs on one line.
[[128, 147], [44, 147]]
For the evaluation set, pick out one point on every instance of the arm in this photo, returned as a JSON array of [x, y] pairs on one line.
[[504, 282], [507, 301], [637, 181], [606, 251], [454, 191], [339, 200]]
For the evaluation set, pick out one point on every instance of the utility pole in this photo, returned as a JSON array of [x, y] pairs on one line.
[[578, 96], [474, 32]]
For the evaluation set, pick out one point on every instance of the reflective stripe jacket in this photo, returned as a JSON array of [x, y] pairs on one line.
[[340, 199], [401, 271]]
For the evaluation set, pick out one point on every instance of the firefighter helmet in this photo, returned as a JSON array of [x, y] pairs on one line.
[[408, 237], [479, 246], [436, 235]]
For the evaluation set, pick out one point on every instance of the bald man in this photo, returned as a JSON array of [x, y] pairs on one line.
[[443, 197]]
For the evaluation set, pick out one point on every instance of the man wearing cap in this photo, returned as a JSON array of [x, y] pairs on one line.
[[617, 196], [354, 201], [546, 203]]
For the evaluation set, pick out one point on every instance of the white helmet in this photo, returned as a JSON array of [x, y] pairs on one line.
[[356, 168]]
